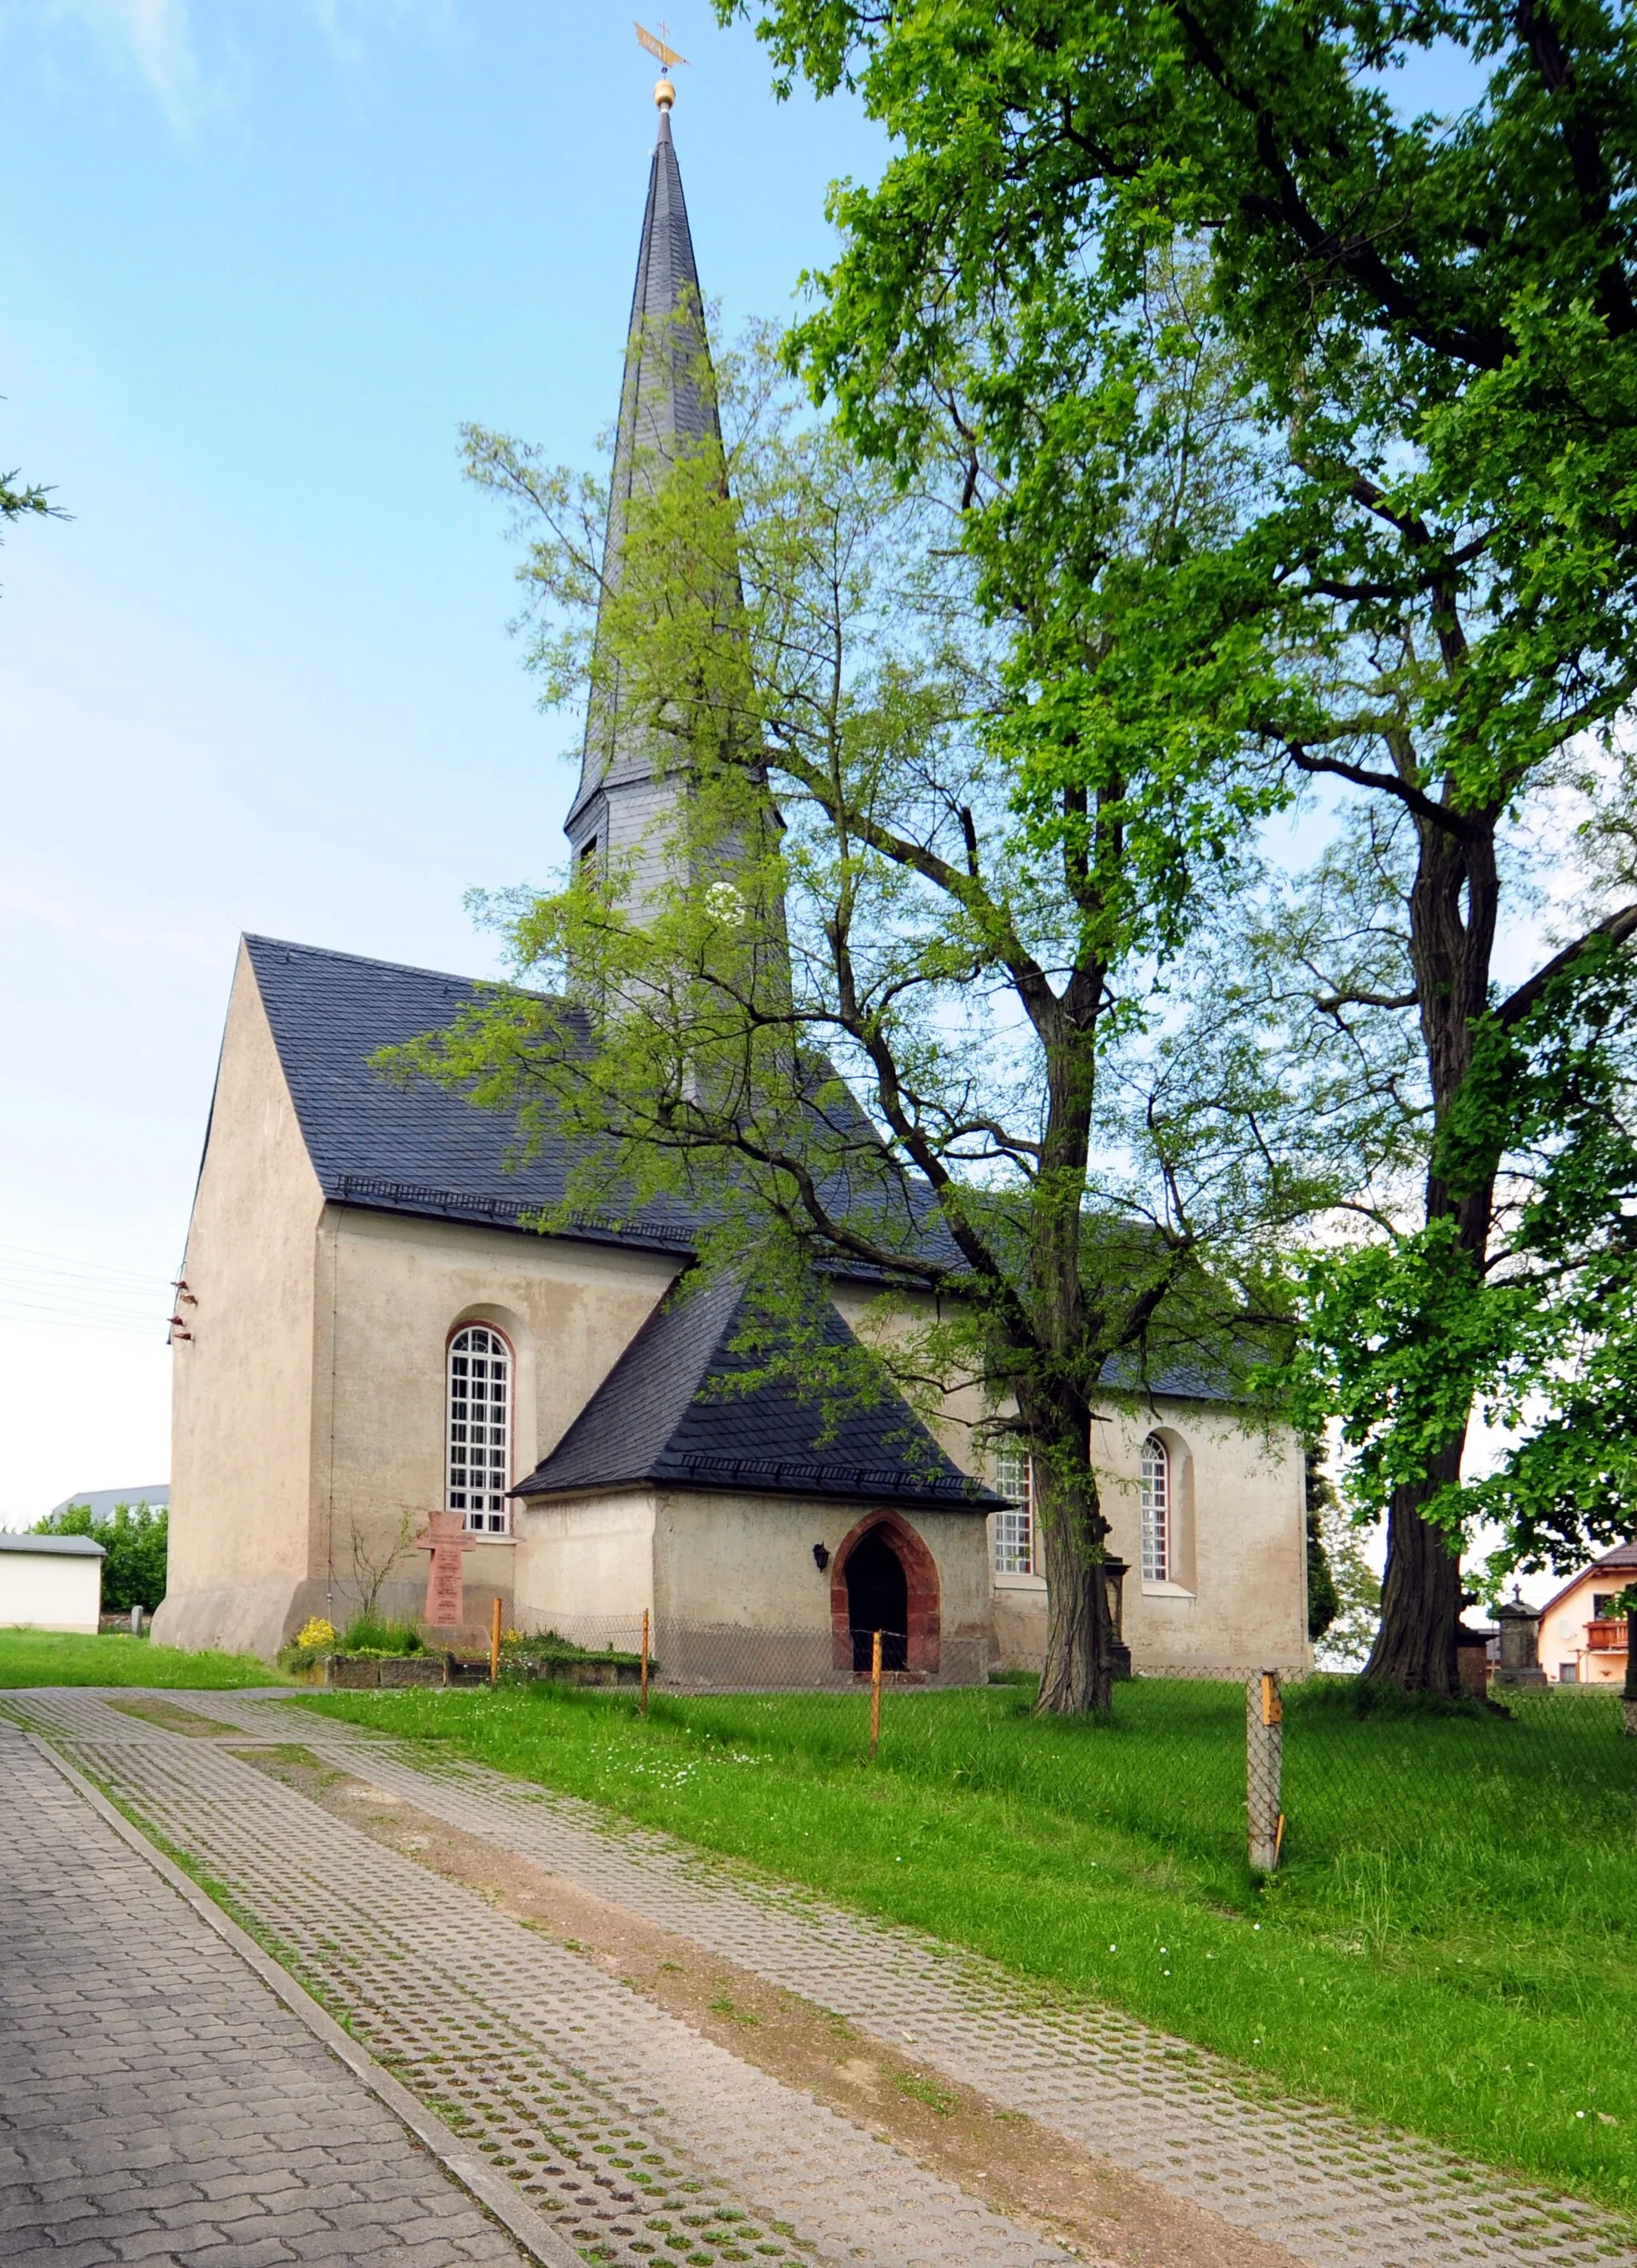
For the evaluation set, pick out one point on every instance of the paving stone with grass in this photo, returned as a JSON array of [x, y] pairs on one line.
[[1331, 2190], [641, 2138]]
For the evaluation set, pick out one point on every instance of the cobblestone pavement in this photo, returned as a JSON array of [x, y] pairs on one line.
[[157, 2103], [638, 2137], [1329, 2190]]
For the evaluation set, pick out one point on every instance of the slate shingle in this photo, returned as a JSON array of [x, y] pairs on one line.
[[424, 1150], [660, 1417], [419, 1149]]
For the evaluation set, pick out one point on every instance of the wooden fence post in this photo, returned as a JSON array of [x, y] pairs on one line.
[[494, 1644], [875, 1694], [1264, 1764], [644, 1661]]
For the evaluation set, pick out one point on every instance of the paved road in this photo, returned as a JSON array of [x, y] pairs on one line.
[[157, 2102]]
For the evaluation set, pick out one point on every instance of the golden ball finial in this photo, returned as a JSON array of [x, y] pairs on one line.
[[665, 94]]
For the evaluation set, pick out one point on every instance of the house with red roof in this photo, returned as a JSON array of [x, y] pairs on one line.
[[1581, 1642]]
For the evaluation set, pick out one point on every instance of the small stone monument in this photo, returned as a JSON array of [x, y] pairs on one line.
[[449, 1542], [1520, 1638], [1114, 1573]]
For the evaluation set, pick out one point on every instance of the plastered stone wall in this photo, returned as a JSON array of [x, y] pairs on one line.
[[1239, 1526], [746, 1562], [242, 1413], [397, 1289], [1239, 1597], [721, 1562], [587, 1558]]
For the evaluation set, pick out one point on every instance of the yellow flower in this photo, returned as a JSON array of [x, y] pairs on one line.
[[315, 1632]]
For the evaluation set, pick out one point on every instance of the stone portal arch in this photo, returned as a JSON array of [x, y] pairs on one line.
[[923, 1639]]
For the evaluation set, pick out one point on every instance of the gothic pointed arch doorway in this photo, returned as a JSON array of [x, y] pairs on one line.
[[884, 1578], [878, 1598]]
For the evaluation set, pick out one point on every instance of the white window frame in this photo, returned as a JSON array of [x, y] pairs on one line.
[[483, 1505], [1155, 1493], [1012, 1542]]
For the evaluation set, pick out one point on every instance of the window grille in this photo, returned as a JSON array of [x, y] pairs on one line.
[[1156, 1511], [1015, 1528], [480, 1427]]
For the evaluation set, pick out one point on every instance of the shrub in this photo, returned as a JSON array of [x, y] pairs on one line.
[[315, 1641]]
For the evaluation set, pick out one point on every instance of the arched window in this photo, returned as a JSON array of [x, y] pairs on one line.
[[480, 1427], [1015, 1528], [1156, 1511]]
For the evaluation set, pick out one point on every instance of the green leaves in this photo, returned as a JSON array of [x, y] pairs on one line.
[[1539, 1331]]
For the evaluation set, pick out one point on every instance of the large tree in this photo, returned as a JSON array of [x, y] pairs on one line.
[[1431, 600], [1063, 1185]]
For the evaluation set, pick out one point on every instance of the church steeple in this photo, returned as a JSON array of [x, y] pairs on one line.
[[663, 409]]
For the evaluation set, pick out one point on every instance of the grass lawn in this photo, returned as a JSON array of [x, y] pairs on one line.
[[58, 1657], [1448, 1946]]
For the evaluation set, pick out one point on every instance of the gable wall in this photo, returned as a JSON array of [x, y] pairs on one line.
[[242, 1396]]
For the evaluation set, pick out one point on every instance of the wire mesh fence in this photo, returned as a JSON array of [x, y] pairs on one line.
[[1222, 1766]]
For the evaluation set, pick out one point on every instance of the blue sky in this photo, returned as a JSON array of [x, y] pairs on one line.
[[257, 259]]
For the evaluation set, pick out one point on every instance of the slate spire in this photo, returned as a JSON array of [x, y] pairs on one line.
[[663, 408]]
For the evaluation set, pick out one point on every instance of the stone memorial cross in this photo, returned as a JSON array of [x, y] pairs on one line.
[[448, 1541]]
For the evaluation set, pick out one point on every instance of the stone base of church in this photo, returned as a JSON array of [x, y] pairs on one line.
[[738, 1659], [1020, 1623], [239, 1619], [259, 1618]]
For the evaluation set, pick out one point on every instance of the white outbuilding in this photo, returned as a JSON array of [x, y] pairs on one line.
[[50, 1582]]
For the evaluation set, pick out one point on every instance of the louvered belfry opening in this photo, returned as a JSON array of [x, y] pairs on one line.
[[878, 1598]]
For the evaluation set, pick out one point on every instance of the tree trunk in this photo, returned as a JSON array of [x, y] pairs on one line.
[[1421, 1593], [1452, 907], [1078, 1679]]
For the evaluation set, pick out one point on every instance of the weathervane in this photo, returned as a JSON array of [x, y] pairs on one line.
[[664, 93]]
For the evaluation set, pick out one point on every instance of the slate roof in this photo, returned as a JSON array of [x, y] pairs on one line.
[[419, 1149], [663, 408], [102, 1501], [656, 1418], [424, 1150]]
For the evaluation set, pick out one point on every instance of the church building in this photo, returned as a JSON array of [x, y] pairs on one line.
[[368, 1331]]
